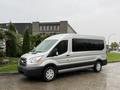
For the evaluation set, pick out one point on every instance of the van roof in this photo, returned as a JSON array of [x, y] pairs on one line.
[[66, 36]]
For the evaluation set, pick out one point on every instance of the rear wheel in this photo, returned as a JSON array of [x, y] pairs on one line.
[[97, 66], [49, 73]]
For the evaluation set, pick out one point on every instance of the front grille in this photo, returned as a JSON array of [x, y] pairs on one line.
[[23, 61]]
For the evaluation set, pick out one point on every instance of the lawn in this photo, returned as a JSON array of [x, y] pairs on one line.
[[113, 57], [11, 66]]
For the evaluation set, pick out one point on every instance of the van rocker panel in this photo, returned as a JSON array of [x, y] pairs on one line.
[[60, 67]]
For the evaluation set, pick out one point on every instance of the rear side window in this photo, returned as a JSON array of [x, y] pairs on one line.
[[60, 48], [87, 45]]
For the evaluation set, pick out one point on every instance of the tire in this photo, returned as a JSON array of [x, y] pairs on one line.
[[97, 66], [49, 73]]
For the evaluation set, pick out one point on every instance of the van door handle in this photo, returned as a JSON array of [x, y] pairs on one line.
[[67, 55]]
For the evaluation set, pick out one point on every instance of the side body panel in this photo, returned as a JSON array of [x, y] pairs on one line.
[[81, 59]]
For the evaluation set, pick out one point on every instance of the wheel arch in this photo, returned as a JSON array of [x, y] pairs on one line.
[[51, 65], [99, 60]]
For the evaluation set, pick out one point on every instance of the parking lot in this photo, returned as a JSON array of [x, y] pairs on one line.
[[107, 79]]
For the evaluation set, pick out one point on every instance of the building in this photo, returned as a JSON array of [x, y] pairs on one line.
[[42, 27], [52, 27], [20, 27]]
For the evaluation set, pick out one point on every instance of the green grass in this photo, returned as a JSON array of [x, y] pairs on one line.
[[8, 68], [113, 57], [11, 67]]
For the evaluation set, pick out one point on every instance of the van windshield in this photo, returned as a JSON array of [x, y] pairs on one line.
[[44, 46]]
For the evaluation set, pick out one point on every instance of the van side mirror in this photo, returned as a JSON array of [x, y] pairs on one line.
[[55, 52]]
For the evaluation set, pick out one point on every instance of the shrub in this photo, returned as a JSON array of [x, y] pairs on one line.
[[11, 49], [26, 41], [2, 54]]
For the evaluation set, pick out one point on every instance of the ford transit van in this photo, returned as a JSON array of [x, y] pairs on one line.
[[63, 52]]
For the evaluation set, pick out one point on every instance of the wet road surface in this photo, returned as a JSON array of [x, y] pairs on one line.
[[107, 79]]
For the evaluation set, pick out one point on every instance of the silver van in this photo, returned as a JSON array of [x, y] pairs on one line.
[[63, 52]]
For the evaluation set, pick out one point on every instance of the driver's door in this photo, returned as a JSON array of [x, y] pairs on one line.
[[60, 52]]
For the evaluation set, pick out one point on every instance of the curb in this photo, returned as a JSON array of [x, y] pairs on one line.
[[8, 73], [113, 61]]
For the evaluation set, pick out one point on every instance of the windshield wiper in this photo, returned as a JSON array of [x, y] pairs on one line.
[[34, 52], [38, 51]]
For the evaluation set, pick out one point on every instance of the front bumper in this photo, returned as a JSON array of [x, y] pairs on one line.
[[30, 71]]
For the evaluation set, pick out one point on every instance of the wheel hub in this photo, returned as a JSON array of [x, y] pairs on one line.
[[98, 67], [49, 74]]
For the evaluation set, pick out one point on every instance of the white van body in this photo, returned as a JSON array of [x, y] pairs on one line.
[[74, 52]]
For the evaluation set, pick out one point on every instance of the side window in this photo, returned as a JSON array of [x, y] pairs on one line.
[[87, 45], [61, 48]]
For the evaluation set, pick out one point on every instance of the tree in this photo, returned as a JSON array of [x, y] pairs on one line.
[[19, 44], [114, 45], [1, 34], [11, 48], [11, 41], [2, 53], [36, 39], [26, 41], [12, 28]]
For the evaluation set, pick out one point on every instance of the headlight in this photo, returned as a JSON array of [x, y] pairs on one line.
[[35, 60]]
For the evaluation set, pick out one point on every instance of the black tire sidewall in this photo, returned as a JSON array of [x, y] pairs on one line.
[[95, 66], [44, 73]]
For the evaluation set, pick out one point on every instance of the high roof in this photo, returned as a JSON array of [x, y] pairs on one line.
[[71, 35]]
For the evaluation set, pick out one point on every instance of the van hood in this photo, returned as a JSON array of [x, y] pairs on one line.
[[32, 54]]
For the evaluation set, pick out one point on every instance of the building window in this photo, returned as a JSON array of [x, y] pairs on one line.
[[44, 28], [54, 28], [58, 27], [40, 28], [47, 28], [7, 25], [51, 28]]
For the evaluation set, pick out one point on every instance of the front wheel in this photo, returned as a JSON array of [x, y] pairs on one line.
[[98, 66], [49, 73]]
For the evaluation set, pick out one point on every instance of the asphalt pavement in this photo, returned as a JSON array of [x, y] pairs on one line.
[[107, 79]]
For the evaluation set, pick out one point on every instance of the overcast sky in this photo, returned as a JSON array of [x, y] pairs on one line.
[[89, 17]]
